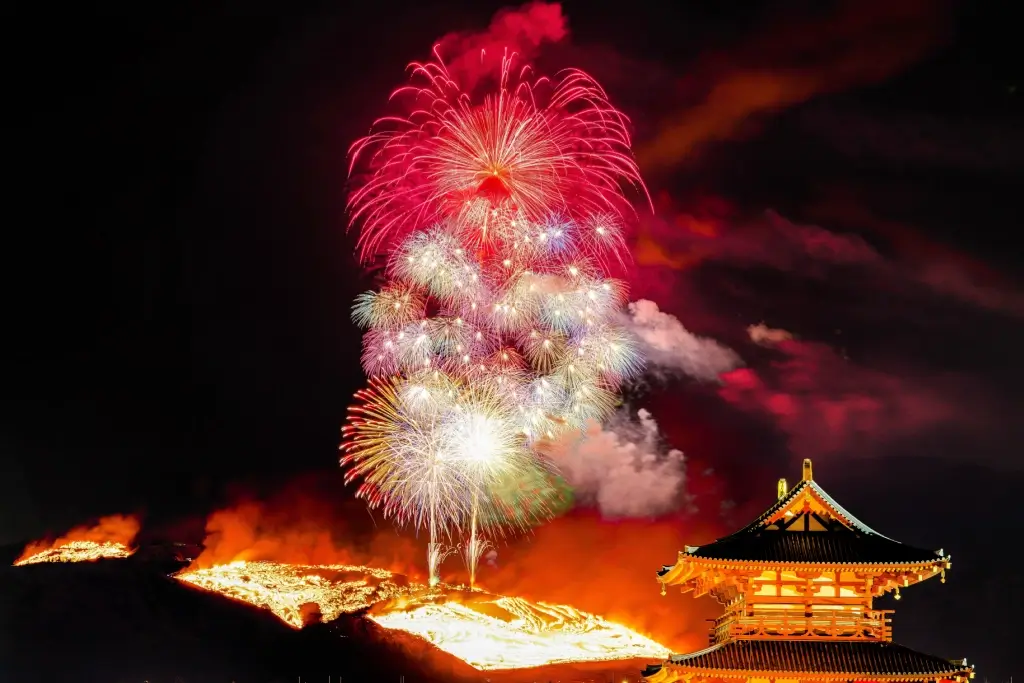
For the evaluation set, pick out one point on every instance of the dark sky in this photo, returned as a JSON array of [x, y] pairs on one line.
[[178, 273]]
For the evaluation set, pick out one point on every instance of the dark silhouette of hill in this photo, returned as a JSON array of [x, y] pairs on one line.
[[119, 621], [10, 553]]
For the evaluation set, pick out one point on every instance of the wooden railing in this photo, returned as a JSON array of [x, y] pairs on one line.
[[831, 625]]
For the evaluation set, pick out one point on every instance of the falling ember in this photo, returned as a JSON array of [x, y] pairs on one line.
[[489, 632], [110, 537]]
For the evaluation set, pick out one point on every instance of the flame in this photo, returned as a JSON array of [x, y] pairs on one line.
[[302, 552], [110, 537], [512, 633], [485, 630], [283, 589]]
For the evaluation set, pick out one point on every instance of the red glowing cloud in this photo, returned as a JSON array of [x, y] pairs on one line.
[[827, 405], [711, 231], [883, 277], [522, 30], [790, 62]]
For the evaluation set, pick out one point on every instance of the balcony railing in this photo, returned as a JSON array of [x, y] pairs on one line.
[[837, 625]]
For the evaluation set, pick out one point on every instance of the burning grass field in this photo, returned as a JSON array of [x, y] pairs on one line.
[[282, 588], [487, 631], [77, 551]]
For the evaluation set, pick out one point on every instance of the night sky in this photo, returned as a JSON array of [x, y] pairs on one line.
[[178, 275]]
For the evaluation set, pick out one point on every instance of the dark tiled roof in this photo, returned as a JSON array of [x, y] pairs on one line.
[[841, 546], [852, 542], [803, 656]]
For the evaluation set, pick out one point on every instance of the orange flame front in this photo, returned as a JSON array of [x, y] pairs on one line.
[[110, 537], [542, 606]]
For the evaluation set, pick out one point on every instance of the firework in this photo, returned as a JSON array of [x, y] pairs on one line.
[[544, 333], [497, 329], [438, 455], [533, 143]]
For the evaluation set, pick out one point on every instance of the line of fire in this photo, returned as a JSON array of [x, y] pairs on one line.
[[798, 586]]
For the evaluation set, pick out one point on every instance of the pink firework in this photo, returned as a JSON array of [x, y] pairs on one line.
[[534, 145]]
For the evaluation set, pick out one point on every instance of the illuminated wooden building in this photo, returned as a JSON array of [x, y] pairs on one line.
[[797, 585]]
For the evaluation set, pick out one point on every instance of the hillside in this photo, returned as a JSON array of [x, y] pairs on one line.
[[122, 622], [126, 621]]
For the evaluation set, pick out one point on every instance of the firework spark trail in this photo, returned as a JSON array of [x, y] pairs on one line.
[[497, 330], [475, 547]]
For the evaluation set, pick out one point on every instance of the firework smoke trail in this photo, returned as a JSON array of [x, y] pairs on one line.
[[497, 330], [475, 546]]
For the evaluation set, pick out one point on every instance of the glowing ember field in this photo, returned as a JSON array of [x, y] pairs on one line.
[[76, 551], [485, 630], [283, 588], [110, 537], [511, 633]]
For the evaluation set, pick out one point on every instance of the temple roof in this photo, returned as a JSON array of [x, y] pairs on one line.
[[858, 659], [807, 526]]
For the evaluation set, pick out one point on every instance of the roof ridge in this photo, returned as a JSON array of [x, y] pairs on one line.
[[853, 521], [797, 544], [824, 497]]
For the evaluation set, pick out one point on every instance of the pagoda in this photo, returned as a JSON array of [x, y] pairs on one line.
[[797, 585]]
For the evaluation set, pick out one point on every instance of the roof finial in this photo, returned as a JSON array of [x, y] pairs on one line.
[[783, 488], [808, 472]]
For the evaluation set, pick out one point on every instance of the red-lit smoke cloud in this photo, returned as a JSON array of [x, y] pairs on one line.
[[711, 231], [822, 402], [668, 347], [301, 525], [623, 467], [945, 270], [828, 405], [788, 62], [473, 55], [768, 240]]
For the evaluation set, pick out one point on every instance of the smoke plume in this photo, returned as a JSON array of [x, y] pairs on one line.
[[670, 346], [472, 56], [301, 524], [623, 467], [608, 568]]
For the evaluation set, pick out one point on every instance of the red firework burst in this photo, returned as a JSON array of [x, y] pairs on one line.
[[537, 144]]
